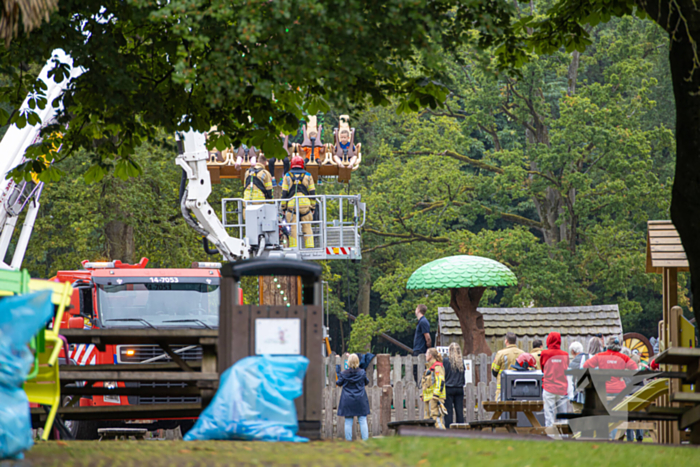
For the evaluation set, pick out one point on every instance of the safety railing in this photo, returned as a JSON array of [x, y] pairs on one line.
[[331, 231]]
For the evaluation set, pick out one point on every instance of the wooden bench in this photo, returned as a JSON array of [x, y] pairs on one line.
[[427, 422], [124, 433], [508, 424]]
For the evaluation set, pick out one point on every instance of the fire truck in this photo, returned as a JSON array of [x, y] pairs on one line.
[[118, 295]]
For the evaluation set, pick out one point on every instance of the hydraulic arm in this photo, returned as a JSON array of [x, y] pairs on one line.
[[15, 197], [193, 157]]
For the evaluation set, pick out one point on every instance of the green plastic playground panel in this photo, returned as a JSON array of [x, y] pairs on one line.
[[16, 282], [461, 271]]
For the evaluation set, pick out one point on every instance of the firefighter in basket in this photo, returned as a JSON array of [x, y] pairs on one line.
[[257, 183], [299, 185], [433, 384]]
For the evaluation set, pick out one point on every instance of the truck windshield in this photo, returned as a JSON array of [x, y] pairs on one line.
[[181, 304]]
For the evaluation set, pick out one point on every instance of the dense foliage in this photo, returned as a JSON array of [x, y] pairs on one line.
[[554, 174], [552, 168]]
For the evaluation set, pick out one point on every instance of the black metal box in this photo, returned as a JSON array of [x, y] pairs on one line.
[[522, 386]]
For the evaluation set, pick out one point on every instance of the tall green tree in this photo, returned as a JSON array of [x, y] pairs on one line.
[[553, 173]]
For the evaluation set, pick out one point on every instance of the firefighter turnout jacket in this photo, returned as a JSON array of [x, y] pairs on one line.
[[502, 361], [433, 382], [298, 184], [536, 353], [258, 184]]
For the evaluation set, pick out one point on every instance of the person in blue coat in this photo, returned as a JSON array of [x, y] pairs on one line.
[[353, 400]]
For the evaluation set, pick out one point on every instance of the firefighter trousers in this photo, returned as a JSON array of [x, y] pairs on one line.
[[305, 228], [433, 409]]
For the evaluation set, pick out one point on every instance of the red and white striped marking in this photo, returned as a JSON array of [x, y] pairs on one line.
[[337, 251], [84, 354]]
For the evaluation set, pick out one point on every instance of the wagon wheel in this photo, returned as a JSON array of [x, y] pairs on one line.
[[635, 341]]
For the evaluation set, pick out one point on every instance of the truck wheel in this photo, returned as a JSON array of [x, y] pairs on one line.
[[80, 429]]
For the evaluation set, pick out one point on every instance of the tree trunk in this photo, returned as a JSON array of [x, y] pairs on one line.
[[464, 302], [274, 295], [120, 241], [119, 234], [572, 73], [685, 204], [365, 285]]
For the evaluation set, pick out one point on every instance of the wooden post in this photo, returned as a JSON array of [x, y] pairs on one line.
[[668, 432], [674, 334], [329, 398], [670, 297], [385, 409], [383, 370], [374, 420]]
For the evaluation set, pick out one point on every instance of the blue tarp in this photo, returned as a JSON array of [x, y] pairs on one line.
[[21, 317], [255, 401]]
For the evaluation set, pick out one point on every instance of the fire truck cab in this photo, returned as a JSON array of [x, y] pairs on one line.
[[117, 295]]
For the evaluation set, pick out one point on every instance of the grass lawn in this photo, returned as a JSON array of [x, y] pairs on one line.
[[393, 451]]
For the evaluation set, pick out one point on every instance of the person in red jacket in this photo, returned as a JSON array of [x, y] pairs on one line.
[[612, 359], [554, 362]]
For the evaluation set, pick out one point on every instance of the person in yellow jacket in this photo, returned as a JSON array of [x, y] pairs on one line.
[[257, 183], [433, 386], [299, 184], [504, 359]]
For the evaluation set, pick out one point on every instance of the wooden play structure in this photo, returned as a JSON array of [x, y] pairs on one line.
[[677, 346], [337, 160]]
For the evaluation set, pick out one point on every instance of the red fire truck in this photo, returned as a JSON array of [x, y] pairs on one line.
[[118, 295]]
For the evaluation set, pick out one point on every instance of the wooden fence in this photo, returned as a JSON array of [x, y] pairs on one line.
[[394, 395]]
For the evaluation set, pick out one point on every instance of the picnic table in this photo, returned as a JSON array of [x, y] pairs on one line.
[[526, 407], [200, 377]]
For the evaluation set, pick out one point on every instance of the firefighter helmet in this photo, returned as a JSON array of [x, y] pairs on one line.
[[525, 361], [297, 162]]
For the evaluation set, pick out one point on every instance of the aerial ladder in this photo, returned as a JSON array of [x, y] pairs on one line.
[[261, 232], [16, 197]]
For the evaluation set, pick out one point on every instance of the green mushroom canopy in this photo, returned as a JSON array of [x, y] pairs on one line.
[[467, 277], [461, 271]]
